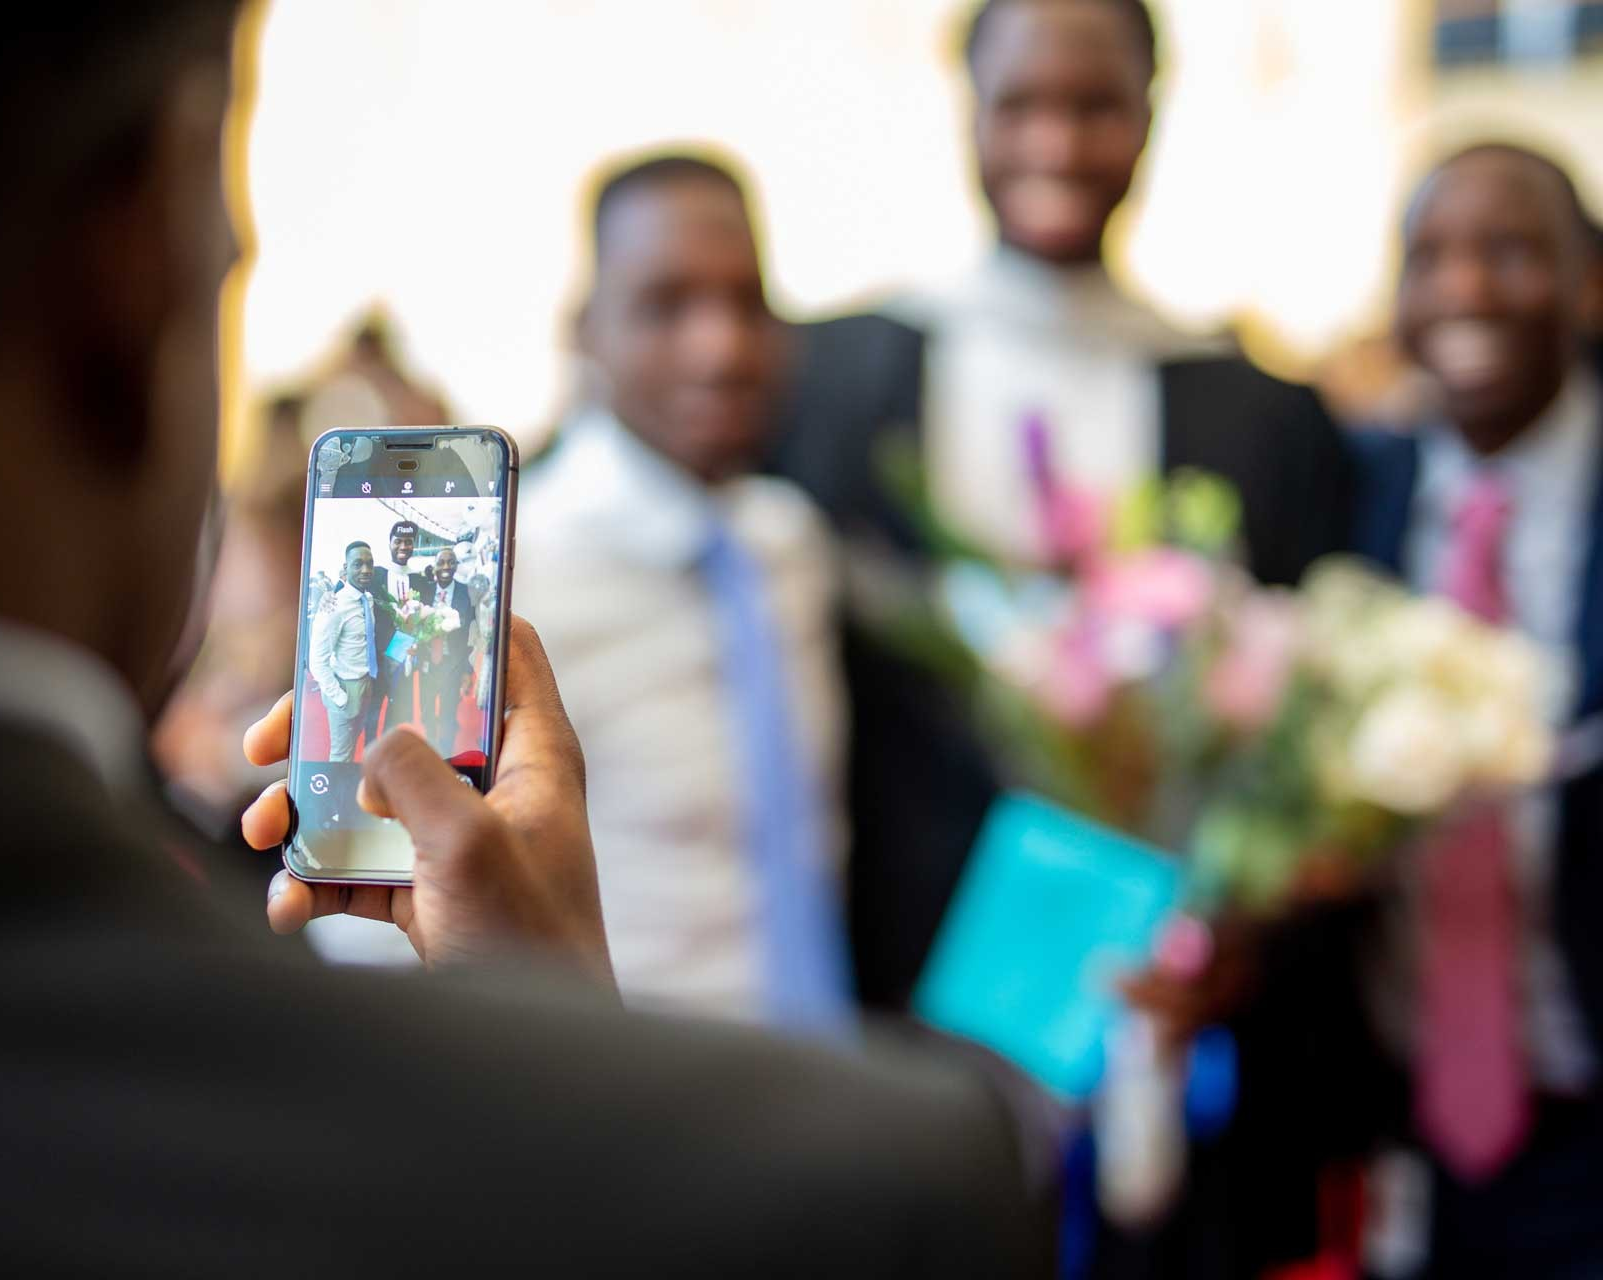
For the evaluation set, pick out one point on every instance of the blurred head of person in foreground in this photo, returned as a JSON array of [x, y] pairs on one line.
[[114, 242]]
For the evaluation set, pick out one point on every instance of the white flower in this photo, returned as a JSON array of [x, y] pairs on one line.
[[450, 620], [1505, 744], [1405, 755], [1023, 657], [1524, 693], [1436, 641], [1515, 672], [1133, 649]]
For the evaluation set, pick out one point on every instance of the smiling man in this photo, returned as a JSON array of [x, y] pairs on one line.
[[1498, 505], [391, 700], [448, 660], [1061, 114]]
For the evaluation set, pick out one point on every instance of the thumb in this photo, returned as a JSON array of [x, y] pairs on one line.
[[404, 778]]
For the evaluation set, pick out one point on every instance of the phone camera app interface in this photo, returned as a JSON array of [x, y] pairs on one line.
[[402, 614]]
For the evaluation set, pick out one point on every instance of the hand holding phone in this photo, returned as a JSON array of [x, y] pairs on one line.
[[508, 869]]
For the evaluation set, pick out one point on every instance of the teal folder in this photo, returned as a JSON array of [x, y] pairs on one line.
[[1050, 911]]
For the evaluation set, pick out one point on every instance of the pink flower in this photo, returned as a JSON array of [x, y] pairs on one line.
[[1079, 687], [1246, 684], [1074, 524], [1073, 519], [1164, 587]]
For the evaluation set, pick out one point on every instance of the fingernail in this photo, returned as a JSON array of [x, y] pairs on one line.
[[280, 882]]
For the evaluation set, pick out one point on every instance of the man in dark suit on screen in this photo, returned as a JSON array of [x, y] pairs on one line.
[[392, 701], [447, 659], [183, 1097]]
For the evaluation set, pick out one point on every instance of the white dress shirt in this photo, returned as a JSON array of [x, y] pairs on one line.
[[1017, 337], [608, 538], [338, 648], [1552, 474], [397, 580]]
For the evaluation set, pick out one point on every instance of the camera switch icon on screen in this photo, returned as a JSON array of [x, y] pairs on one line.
[[367, 486]]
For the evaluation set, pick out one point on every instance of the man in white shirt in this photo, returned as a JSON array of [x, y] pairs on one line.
[[635, 539], [343, 653]]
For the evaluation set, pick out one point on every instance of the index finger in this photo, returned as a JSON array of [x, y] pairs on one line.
[[267, 741]]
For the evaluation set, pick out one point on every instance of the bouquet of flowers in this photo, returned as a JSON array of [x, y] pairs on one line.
[[417, 623], [1143, 679]]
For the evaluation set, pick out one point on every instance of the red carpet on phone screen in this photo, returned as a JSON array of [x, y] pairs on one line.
[[314, 725]]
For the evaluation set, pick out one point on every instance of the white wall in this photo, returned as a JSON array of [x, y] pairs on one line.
[[431, 154]]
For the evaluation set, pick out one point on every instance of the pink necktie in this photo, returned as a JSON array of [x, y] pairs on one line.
[[1472, 576], [1472, 1103]]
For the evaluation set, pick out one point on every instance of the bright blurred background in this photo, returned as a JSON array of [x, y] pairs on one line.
[[429, 156]]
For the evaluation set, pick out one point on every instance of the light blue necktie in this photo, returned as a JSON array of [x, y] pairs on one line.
[[372, 648], [802, 937]]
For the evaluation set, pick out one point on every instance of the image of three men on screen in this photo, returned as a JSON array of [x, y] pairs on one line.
[[367, 681]]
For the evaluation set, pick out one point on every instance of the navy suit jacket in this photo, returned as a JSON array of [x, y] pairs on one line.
[[456, 644], [1387, 475], [1307, 1034]]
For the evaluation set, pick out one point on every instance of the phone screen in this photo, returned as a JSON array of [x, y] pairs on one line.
[[404, 585]]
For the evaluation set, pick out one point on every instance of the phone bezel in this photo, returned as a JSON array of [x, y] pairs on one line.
[[497, 711]]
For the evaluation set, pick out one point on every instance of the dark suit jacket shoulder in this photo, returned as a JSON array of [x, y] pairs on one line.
[[182, 1097], [859, 379], [1276, 444]]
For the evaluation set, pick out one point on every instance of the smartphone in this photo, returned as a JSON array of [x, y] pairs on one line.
[[405, 575]]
